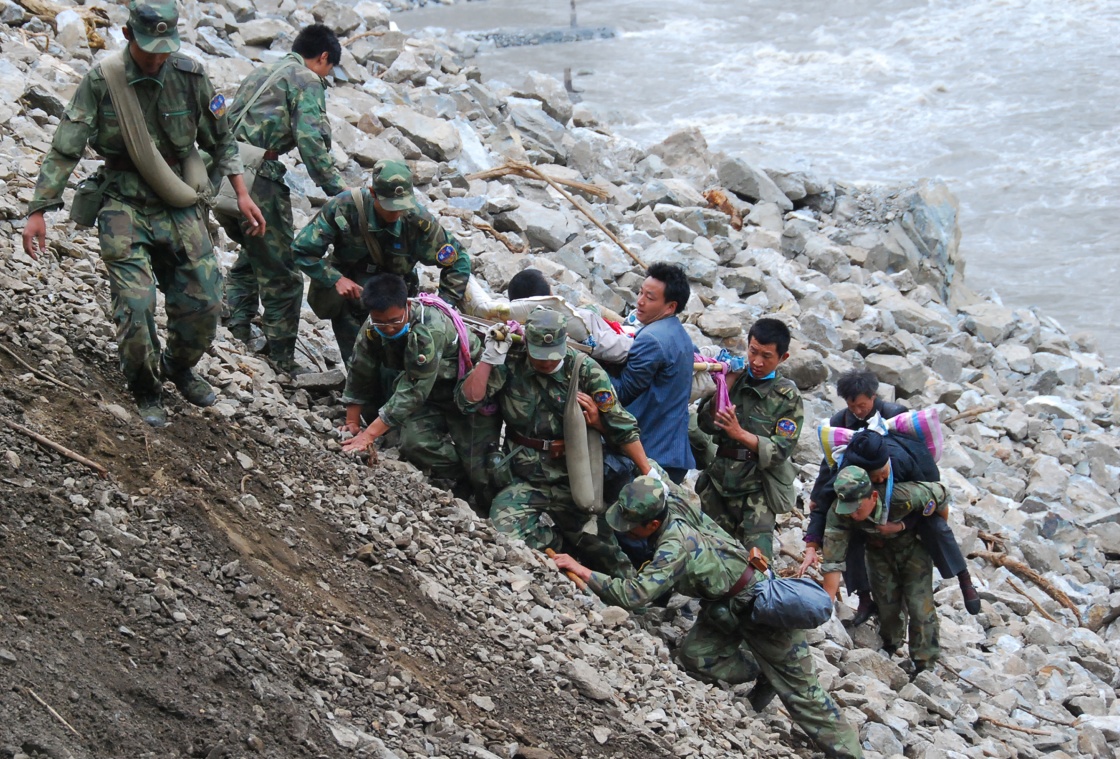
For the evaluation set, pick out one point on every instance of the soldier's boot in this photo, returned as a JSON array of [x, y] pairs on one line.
[[242, 331], [968, 590], [866, 609], [150, 407], [282, 355], [761, 694], [192, 387]]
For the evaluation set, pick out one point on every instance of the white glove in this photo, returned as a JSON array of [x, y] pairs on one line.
[[497, 345]]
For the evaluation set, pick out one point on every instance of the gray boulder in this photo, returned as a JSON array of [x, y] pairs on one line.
[[752, 183], [550, 92], [261, 32], [541, 226], [437, 138], [988, 321], [905, 373]]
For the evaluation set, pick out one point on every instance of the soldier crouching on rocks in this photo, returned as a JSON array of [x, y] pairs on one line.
[[151, 223], [415, 344], [374, 229], [695, 557], [901, 570], [531, 390]]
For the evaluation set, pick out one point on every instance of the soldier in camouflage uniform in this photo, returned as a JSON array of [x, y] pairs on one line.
[[401, 233], [755, 438], [531, 390], [419, 343], [291, 113], [145, 242], [901, 569], [694, 557]]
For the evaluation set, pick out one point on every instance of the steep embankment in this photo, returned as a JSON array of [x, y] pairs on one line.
[[237, 587]]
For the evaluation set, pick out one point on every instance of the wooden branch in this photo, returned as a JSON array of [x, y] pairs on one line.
[[94, 18], [40, 374], [54, 714], [1016, 728], [977, 411], [518, 168], [1026, 573], [718, 199], [1034, 603], [370, 33], [102, 472], [511, 246]]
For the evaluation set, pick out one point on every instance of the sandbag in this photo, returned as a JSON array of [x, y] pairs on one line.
[[790, 603], [583, 448]]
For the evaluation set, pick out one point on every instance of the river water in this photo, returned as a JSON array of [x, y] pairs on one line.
[[1012, 102]]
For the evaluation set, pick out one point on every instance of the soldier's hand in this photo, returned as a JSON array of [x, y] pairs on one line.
[[253, 224], [590, 411], [35, 235], [352, 427], [497, 345], [360, 442], [728, 421], [348, 288], [811, 558]]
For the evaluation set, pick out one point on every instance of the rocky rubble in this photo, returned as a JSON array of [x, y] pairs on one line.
[[238, 587]]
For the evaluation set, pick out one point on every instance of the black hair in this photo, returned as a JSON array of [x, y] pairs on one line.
[[528, 283], [384, 291], [855, 383], [770, 332], [868, 450], [675, 281], [314, 40]]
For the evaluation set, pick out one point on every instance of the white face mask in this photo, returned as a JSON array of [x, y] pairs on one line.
[[559, 367]]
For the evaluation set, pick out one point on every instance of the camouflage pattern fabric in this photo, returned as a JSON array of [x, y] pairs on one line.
[[144, 242], [154, 26], [902, 583], [435, 435], [734, 490], [695, 557], [290, 114], [532, 404], [417, 237]]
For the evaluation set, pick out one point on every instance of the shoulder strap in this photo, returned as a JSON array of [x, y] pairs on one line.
[[573, 386], [275, 75], [372, 245]]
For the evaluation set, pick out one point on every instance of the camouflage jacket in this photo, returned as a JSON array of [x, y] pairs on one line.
[[427, 359], [180, 108], [770, 409], [907, 499], [532, 404], [292, 113], [416, 237], [693, 557]]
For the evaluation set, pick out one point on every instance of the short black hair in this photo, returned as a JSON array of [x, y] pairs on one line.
[[770, 332], [857, 382], [384, 291], [528, 283], [314, 40], [675, 281]]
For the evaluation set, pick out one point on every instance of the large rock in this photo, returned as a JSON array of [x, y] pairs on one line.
[[260, 32], [932, 222], [988, 321], [686, 149], [719, 324], [1053, 405], [13, 83], [537, 130], [550, 92], [587, 681], [436, 137], [752, 183], [407, 67], [806, 368], [541, 226], [1048, 480], [343, 19], [911, 316], [1066, 369], [905, 373]]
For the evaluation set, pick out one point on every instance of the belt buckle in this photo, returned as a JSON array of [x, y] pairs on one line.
[[555, 448]]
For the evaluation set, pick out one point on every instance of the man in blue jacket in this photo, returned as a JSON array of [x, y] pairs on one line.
[[657, 379]]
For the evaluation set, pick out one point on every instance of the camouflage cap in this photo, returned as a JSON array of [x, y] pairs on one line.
[[639, 503], [546, 335], [392, 184], [154, 26], [852, 485]]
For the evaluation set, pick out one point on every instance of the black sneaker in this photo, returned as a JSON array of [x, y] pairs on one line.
[[192, 387], [971, 598], [150, 408]]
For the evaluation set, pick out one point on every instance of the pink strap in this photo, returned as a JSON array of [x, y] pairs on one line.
[[723, 400], [465, 363]]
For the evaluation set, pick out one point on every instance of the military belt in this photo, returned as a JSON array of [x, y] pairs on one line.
[[271, 155], [124, 163], [736, 453], [741, 583], [555, 448]]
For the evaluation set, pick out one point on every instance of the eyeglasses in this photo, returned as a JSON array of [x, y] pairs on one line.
[[390, 325]]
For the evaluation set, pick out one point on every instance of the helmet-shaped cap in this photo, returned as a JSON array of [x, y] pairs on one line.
[[154, 26]]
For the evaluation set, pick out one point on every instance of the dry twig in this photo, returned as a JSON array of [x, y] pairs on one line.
[[40, 374], [1026, 573], [102, 472], [1034, 603], [1016, 728], [369, 33], [54, 714], [972, 412]]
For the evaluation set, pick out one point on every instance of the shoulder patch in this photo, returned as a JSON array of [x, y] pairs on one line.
[[931, 506], [447, 255], [185, 63], [785, 427], [218, 106], [605, 400]]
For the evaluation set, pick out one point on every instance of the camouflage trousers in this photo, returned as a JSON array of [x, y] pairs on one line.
[[782, 657], [902, 583], [544, 516], [168, 249], [747, 518], [265, 272]]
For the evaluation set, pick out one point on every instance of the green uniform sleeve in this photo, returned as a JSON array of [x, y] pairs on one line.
[[619, 424], [778, 446], [837, 534], [313, 138], [74, 132], [427, 344], [363, 375], [660, 574], [214, 135], [498, 377], [310, 245], [704, 418], [923, 498], [435, 246]]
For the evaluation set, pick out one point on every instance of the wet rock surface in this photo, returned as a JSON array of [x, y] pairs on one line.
[[238, 587]]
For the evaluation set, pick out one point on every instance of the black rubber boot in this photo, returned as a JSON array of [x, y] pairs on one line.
[[192, 387], [150, 407], [867, 608], [761, 694]]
